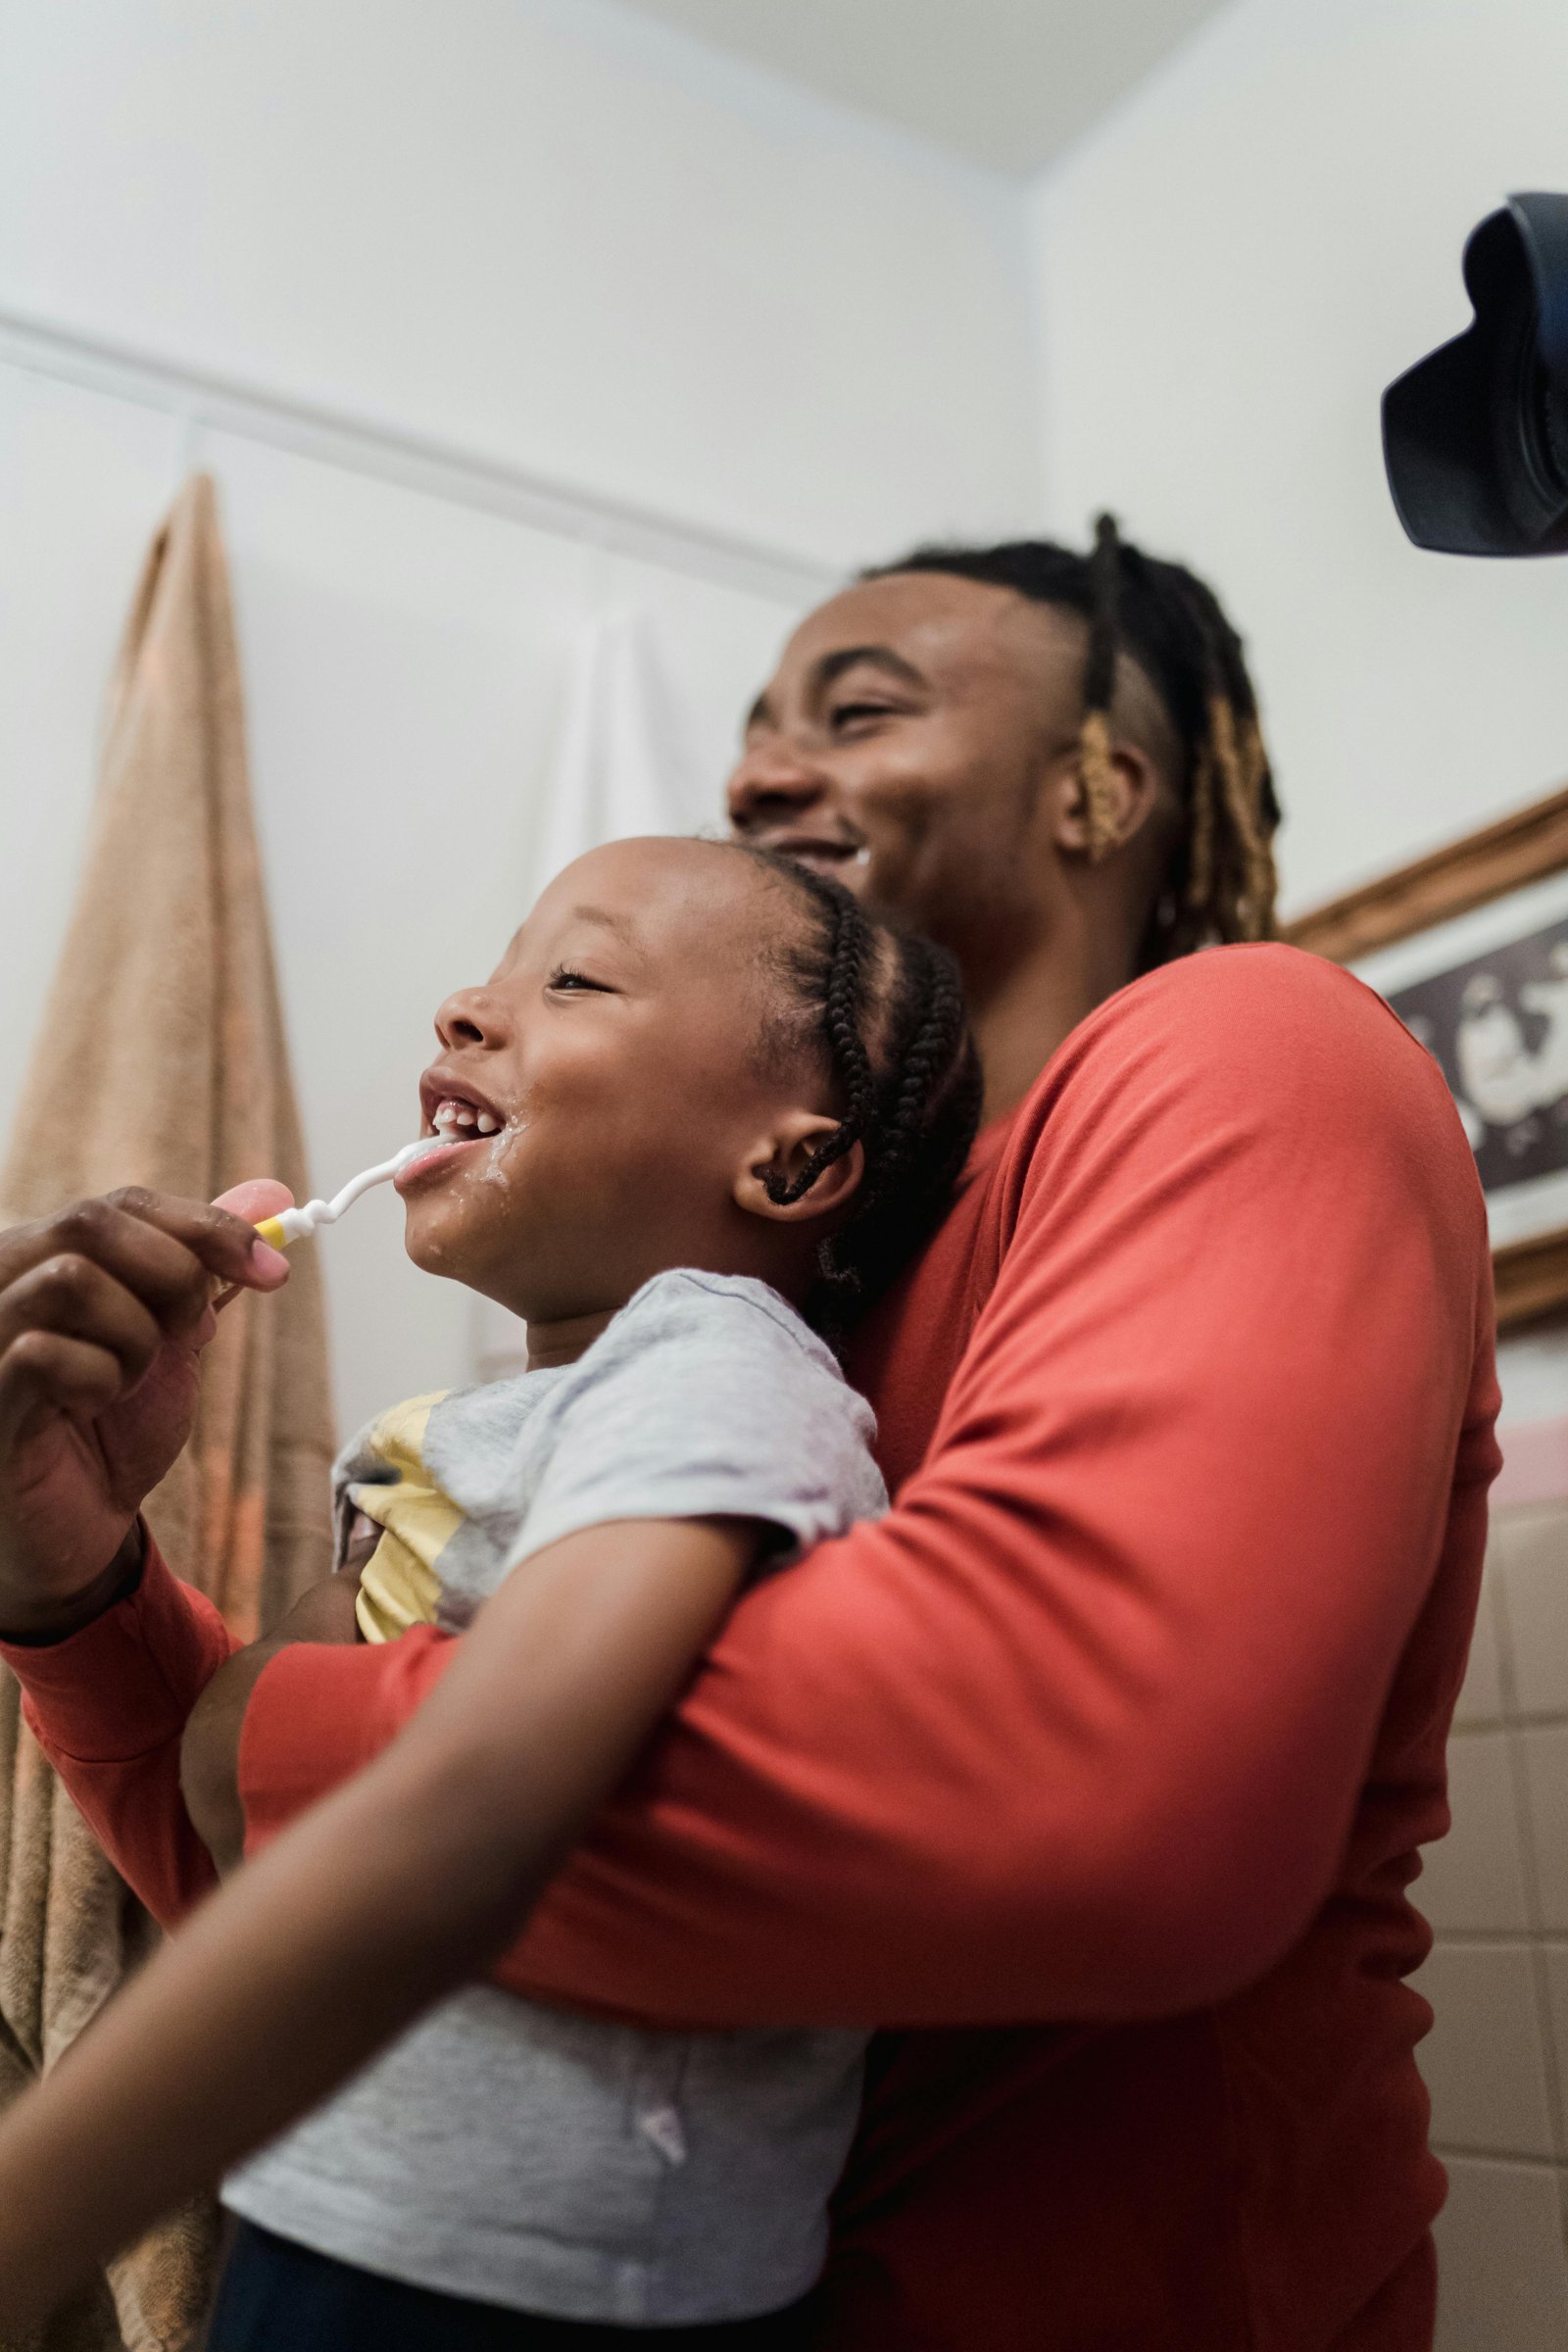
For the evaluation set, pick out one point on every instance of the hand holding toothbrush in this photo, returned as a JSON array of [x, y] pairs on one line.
[[105, 1309]]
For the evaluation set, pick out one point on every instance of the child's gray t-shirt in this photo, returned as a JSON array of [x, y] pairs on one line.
[[534, 2158]]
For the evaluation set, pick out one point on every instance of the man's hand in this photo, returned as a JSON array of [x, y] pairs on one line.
[[208, 1755], [105, 1309]]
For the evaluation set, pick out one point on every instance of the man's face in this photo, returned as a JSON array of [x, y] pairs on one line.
[[903, 745]]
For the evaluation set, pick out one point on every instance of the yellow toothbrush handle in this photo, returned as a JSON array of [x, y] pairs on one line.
[[273, 1232]]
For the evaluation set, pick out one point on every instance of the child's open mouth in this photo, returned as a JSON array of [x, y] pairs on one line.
[[459, 1122]]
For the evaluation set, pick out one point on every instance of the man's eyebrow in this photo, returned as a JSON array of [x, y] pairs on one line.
[[881, 656], [833, 665]]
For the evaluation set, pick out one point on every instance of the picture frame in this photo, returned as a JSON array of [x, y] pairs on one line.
[[1470, 946]]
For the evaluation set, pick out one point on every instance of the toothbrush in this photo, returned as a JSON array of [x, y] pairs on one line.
[[293, 1224]]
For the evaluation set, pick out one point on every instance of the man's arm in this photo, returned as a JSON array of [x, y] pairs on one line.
[[323, 1612], [108, 1706], [1079, 1728], [132, 1709]]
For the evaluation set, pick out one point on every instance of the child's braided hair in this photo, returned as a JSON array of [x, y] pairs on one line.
[[1220, 883], [886, 1010]]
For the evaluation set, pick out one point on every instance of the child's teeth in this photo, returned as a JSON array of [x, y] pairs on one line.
[[455, 1123]]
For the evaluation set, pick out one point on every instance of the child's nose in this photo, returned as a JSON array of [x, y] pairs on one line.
[[470, 1016]]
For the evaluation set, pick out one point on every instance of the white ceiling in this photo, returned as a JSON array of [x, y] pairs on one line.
[[1005, 82]]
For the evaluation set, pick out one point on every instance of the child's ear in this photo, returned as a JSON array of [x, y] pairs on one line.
[[778, 1158]]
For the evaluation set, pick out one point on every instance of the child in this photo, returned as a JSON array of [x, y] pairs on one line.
[[701, 1085]]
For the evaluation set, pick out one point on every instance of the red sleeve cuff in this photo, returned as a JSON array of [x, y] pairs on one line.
[[125, 1684], [321, 1710]]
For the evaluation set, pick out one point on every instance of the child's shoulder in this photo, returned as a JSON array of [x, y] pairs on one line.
[[719, 1378], [711, 1347]]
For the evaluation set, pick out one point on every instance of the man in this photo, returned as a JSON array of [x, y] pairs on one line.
[[1098, 1767]]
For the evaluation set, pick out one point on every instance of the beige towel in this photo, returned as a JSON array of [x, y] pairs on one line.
[[162, 1062]]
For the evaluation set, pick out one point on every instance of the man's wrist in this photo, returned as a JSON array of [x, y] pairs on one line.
[[42, 1624]]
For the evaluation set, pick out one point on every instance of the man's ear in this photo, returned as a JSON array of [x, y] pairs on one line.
[[1090, 819], [779, 1155]]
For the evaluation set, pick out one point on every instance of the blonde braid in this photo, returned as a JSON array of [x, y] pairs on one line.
[[1200, 855], [1261, 874], [1098, 775]]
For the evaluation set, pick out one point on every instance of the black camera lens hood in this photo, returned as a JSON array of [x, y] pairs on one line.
[[1454, 428]]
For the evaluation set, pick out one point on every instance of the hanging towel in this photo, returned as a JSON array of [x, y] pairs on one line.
[[162, 1062]]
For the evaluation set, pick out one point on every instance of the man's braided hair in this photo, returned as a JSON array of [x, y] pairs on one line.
[[1220, 884], [885, 1010]]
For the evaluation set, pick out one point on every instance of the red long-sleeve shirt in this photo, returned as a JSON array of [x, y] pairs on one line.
[[1130, 1714]]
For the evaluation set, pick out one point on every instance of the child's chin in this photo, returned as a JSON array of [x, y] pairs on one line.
[[438, 1244]]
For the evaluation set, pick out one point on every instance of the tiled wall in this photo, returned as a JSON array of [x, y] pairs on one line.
[[1496, 1893]]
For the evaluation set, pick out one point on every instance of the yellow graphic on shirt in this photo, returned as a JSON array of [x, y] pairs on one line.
[[400, 1587]]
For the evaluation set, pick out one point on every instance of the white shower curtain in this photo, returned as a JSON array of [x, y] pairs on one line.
[[624, 766]]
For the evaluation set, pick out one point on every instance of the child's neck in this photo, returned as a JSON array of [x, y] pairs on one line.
[[564, 1339]]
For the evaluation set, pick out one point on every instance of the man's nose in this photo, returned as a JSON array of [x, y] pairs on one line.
[[771, 784]]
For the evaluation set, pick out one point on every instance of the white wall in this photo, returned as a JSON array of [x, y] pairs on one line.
[[1229, 271], [548, 227], [541, 230]]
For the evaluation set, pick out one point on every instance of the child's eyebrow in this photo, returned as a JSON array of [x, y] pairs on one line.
[[621, 926]]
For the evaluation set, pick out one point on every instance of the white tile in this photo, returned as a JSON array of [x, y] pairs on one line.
[[1473, 1880], [1545, 1756], [1483, 2061], [1502, 2277], [1528, 1564], [1481, 1699]]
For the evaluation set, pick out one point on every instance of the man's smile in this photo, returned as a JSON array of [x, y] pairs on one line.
[[834, 854]]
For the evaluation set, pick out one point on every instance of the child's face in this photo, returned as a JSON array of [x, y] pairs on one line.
[[609, 1078]]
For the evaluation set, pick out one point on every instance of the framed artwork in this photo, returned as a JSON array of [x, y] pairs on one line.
[[1470, 947]]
